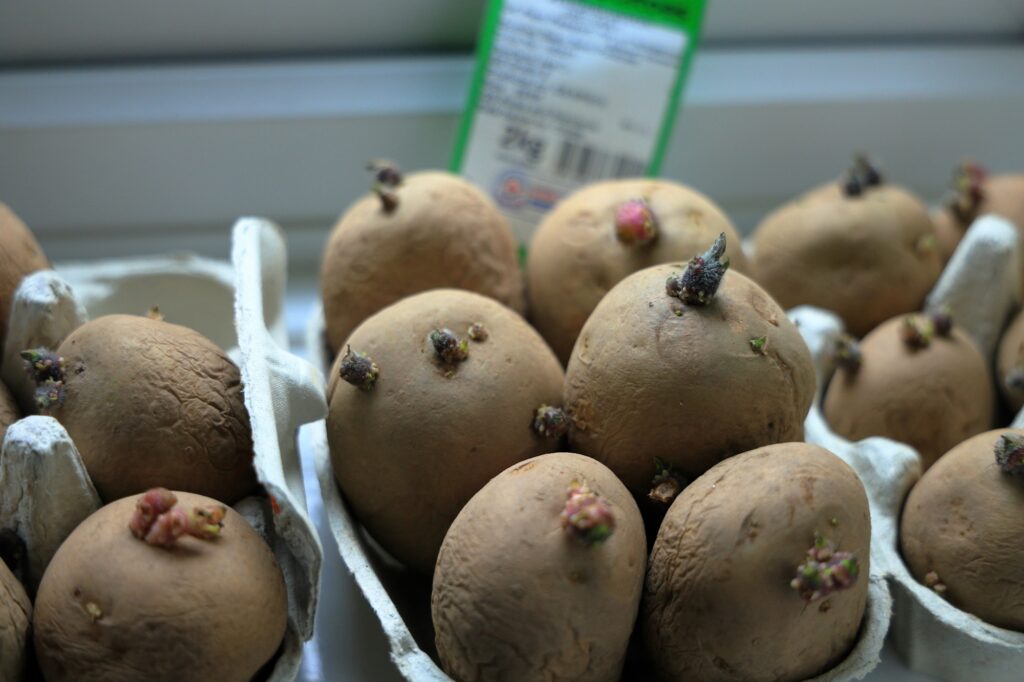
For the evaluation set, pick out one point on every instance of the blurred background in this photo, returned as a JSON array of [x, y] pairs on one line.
[[137, 126]]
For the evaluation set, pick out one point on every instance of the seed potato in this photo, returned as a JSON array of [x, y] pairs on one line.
[[962, 526], [605, 231], [151, 403], [655, 379], [442, 232], [867, 256], [720, 599], [915, 386], [20, 255], [111, 607], [15, 616], [410, 449], [529, 584]]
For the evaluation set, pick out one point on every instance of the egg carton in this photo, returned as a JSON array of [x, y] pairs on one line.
[[980, 288], [45, 491], [397, 595]]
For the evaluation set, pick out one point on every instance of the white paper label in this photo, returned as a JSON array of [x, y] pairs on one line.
[[572, 94]]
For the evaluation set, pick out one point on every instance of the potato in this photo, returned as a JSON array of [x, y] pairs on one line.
[[442, 232], [530, 585], [927, 389], [113, 607], [9, 410], [974, 193], [413, 443], [867, 254], [15, 616], [152, 403], [653, 378], [962, 527], [20, 255], [1010, 363], [760, 569], [590, 242]]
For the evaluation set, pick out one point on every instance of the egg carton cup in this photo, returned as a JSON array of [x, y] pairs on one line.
[[406, 622], [45, 491], [979, 287]]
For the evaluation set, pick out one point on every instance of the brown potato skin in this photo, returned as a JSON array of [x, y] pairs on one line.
[[202, 610], [718, 604], [575, 257], [963, 520], [517, 598], [1003, 196], [409, 453], [9, 410], [20, 255], [149, 403], [644, 383], [931, 399], [444, 233], [1011, 356], [15, 617], [860, 257]]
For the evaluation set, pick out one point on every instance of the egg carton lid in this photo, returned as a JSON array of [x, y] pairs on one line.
[[45, 491], [380, 579], [980, 288]]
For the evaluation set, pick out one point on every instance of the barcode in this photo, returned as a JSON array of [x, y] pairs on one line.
[[583, 162]]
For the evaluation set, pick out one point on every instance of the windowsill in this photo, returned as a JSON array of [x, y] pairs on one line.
[[116, 161]]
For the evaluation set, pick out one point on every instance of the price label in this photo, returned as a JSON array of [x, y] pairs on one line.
[[566, 92]]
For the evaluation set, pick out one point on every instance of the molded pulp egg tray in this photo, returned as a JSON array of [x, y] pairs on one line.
[[45, 491], [979, 286]]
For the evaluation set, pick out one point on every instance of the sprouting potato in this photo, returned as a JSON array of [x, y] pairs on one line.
[[760, 569], [425, 231], [673, 373], [431, 397], [539, 577], [920, 380], [861, 248], [600, 234]]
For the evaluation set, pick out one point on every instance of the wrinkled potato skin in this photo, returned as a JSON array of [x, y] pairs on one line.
[[963, 520], [150, 403], [861, 257], [15, 617], [931, 399], [517, 598], [644, 383], [9, 411], [575, 257], [717, 601], [203, 610], [1011, 356], [444, 233], [20, 255], [1003, 195], [411, 452]]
